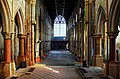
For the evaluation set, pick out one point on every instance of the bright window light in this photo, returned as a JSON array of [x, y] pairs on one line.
[[59, 27]]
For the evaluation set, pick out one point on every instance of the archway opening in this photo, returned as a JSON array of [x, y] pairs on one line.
[[114, 23], [16, 41], [102, 29]]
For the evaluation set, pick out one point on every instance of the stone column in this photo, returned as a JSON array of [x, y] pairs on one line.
[[82, 6], [32, 46], [37, 41], [113, 64], [90, 35], [86, 35], [13, 68], [98, 59], [75, 40], [88, 24], [78, 43], [7, 54], [32, 30], [28, 38], [112, 38], [41, 37], [70, 40], [28, 50], [21, 47]]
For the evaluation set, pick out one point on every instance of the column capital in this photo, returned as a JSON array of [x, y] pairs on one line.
[[90, 2], [112, 34], [21, 36], [7, 35], [33, 22], [97, 35], [87, 2], [33, 2]]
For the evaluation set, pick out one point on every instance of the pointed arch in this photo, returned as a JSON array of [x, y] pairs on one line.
[[20, 22], [114, 15], [6, 16], [22, 18], [100, 20]]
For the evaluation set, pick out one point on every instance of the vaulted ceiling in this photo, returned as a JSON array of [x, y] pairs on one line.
[[60, 7]]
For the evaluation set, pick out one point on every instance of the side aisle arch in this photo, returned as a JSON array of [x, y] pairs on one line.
[[19, 37], [20, 20], [100, 20], [114, 15], [6, 33], [98, 37], [6, 16]]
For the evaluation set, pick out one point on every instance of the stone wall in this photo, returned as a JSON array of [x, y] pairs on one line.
[[102, 3], [17, 4]]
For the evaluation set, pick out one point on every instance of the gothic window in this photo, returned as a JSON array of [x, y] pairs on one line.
[[59, 26]]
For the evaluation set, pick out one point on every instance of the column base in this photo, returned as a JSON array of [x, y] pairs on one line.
[[21, 63], [13, 67], [21, 58], [98, 61], [27, 60], [32, 63], [114, 69], [1, 70], [7, 69], [37, 59]]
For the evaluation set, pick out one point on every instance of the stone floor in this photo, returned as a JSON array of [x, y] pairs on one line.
[[50, 72], [57, 65], [59, 58]]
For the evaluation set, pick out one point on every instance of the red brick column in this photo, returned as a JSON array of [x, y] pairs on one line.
[[7, 48], [22, 46], [98, 59], [21, 56], [28, 49], [7, 54]]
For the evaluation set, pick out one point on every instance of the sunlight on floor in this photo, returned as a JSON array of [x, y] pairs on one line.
[[48, 68]]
